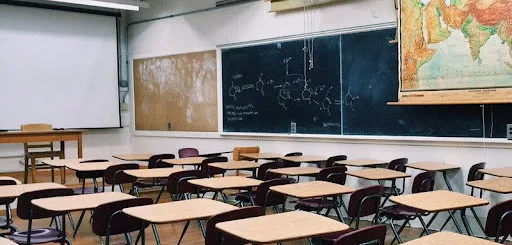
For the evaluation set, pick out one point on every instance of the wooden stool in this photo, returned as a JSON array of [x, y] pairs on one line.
[[33, 156]]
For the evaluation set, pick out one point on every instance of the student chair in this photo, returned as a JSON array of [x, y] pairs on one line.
[[94, 175], [289, 164], [363, 202], [372, 235], [263, 171], [27, 211], [178, 186], [331, 160], [108, 219], [213, 235], [212, 171], [155, 161], [334, 175], [400, 165], [472, 176], [188, 152], [6, 222], [423, 182], [499, 221], [46, 152], [264, 197]]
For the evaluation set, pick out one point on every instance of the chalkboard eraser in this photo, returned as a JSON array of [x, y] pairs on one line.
[[509, 131]]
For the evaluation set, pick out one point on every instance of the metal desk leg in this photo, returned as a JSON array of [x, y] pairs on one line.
[[455, 222], [465, 222], [447, 182], [429, 223], [250, 196], [425, 228], [142, 233]]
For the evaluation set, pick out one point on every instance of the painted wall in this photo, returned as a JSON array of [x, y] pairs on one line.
[[248, 22]]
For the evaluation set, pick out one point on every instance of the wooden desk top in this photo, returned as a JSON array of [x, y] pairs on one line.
[[151, 173], [90, 166], [263, 155], [80, 202], [438, 201], [17, 190], [363, 162], [280, 227], [4, 241], [229, 182], [10, 133], [296, 171], [63, 162], [378, 174], [185, 161], [432, 166], [133, 157], [500, 185], [10, 178], [310, 159], [235, 165], [179, 210], [312, 189], [446, 237], [500, 172]]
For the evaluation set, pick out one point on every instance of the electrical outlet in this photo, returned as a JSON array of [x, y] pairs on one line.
[[293, 128], [169, 126], [509, 131]]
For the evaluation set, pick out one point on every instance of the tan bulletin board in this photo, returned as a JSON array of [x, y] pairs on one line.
[[176, 92]]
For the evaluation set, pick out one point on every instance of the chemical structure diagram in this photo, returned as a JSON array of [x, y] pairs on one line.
[[293, 88]]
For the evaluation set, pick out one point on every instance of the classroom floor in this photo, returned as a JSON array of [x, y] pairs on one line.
[[169, 233]]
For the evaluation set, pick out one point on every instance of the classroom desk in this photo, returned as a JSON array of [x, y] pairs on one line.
[[143, 157], [446, 237], [435, 166], [229, 182], [237, 165], [178, 211], [151, 173], [378, 174], [363, 162], [281, 227], [262, 155], [44, 136], [501, 185], [296, 171], [441, 201], [305, 159], [315, 189], [58, 163], [90, 166], [185, 161], [14, 191], [214, 154], [4, 241], [500, 172], [79, 202]]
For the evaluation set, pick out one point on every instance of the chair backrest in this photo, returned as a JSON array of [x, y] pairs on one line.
[[290, 164], [213, 235], [499, 220], [114, 174], [266, 198], [263, 173], [90, 174], [35, 127], [25, 203], [241, 150], [93, 160], [177, 183], [188, 152], [119, 222], [212, 171], [424, 182], [473, 172], [333, 174], [5, 201], [369, 235], [364, 202], [399, 164], [155, 161], [331, 160]]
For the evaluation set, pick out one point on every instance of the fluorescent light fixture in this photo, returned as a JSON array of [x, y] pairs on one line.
[[115, 4]]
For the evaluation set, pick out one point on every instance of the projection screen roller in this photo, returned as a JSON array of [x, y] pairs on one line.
[[58, 67]]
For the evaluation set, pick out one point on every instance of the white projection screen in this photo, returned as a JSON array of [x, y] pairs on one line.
[[58, 67]]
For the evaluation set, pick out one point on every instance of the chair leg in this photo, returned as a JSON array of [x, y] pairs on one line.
[[33, 163], [25, 173], [159, 194], [395, 232], [128, 238]]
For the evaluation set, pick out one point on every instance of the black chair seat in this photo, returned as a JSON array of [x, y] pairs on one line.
[[244, 197], [87, 190], [150, 183], [328, 239], [399, 212], [314, 204], [38, 236]]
